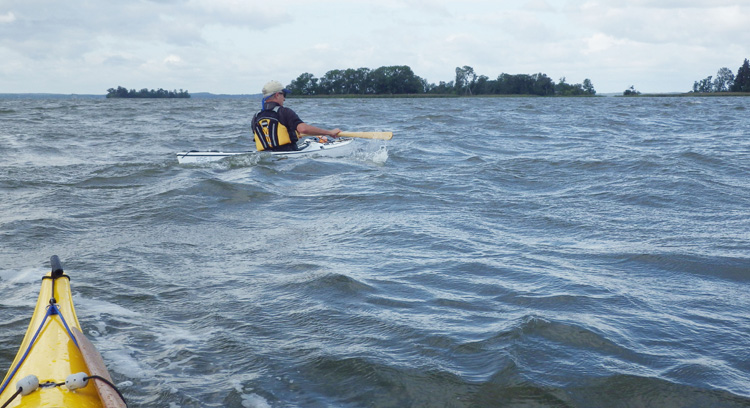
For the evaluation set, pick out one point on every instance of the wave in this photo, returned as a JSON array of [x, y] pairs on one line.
[[361, 382], [720, 267]]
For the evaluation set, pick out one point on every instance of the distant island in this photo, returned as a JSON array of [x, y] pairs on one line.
[[725, 84], [121, 92], [401, 80], [726, 81]]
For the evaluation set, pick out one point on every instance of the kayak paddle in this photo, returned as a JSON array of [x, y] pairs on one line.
[[365, 135]]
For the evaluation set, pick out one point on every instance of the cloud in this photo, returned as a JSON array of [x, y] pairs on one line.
[[8, 17], [538, 6], [171, 23], [173, 60], [214, 45], [601, 42], [119, 61], [653, 22]]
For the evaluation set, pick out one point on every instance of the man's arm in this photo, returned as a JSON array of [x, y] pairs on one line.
[[305, 129]]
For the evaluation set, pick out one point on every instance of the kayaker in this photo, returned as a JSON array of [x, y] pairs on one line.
[[276, 127]]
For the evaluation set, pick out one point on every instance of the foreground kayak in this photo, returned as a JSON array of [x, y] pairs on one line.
[[56, 365], [307, 147]]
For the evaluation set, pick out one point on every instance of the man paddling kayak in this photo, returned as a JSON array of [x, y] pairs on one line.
[[275, 127]]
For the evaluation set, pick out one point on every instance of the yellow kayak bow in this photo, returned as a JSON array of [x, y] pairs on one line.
[[56, 365]]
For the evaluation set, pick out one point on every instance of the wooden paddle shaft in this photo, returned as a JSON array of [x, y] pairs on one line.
[[365, 135]]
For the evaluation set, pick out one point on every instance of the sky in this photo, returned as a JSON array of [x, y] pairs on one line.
[[236, 46]]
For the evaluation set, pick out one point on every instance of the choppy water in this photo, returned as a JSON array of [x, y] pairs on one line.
[[518, 252]]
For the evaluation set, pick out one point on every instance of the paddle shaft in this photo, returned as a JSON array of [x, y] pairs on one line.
[[365, 135]]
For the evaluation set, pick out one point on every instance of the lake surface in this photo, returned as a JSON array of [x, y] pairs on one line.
[[509, 252]]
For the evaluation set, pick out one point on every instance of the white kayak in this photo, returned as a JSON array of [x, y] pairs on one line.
[[307, 147]]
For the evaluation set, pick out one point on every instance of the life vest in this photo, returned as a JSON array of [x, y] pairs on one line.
[[268, 130]]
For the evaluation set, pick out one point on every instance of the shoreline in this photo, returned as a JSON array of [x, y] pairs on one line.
[[205, 95]]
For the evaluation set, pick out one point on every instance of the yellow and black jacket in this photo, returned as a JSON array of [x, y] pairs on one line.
[[275, 127]]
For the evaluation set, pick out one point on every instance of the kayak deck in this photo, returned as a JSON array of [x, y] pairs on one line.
[[307, 147], [51, 352]]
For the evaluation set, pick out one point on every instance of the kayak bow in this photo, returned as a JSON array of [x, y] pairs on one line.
[[56, 365]]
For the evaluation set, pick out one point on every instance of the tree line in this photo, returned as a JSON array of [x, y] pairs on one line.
[[121, 92], [726, 81], [400, 79]]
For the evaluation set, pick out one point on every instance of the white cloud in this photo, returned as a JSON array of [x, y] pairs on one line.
[[538, 6], [249, 14], [601, 42], [8, 17], [173, 60], [234, 46]]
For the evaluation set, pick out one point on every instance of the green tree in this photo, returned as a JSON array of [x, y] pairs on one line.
[[442, 88], [631, 91], [482, 86], [333, 83], [305, 84], [523, 84], [724, 80], [520, 84], [358, 81], [542, 85], [566, 89], [742, 80], [703, 86], [381, 81], [588, 87], [121, 92], [465, 79], [397, 79]]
